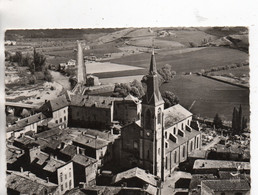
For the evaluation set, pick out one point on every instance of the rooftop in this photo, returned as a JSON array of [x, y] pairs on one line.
[[92, 101], [175, 114], [216, 164], [135, 172], [198, 154], [53, 164], [181, 140], [58, 103], [90, 141], [69, 150], [83, 160], [227, 185], [20, 124], [27, 183]]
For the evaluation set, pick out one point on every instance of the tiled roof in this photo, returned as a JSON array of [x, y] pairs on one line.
[[92, 101], [216, 164], [20, 124], [53, 164], [233, 175], [83, 160], [41, 158], [69, 150], [91, 142], [197, 179], [31, 119], [27, 184], [175, 114], [227, 185], [58, 103], [49, 133], [198, 154], [135, 172]]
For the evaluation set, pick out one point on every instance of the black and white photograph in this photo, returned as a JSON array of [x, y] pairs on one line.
[[127, 110]]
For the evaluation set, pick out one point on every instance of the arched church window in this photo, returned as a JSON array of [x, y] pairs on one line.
[[148, 119], [135, 145], [175, 157], [159, 115], [183, 151], [182, 126]]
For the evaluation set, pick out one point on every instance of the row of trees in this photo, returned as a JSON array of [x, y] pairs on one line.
[[239, 122], [36, 62]]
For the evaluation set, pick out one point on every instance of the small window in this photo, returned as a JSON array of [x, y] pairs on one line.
[[70, 183], [166, 135], [159, 151], [66, 185], [65, 176], [175, 157], [135, 145], [64, 118], [182, 126], [166, 163], [70, 174], [166, 145], [159, 116], [62, 187], [64, 111], [174, 131], [191, 146], [183, 151], [61, 177], [56, 121]]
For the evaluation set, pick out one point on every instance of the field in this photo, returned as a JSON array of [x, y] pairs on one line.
[[190, 61], [99, 67], [238, 72], [125, 55], [211, 96]]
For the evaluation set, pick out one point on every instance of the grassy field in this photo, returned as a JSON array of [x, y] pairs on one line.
[[188, 62], [238, 72], [211, 96]]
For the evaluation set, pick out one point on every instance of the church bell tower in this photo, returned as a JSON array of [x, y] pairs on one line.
[[152, 123]]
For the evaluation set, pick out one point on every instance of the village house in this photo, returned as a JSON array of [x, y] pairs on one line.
[[213, 166], [137, 177], [85, 169], [28, 183], [57, 110], [225, 187], [25, 125], [91, 111]]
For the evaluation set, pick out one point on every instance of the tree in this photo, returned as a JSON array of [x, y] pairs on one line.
[[17, 57], [134, 88], [217, 122], [166, 72], [38, 61], [170, 99], [239, 122]]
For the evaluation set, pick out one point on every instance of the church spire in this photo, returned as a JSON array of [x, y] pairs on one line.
[[153, 68], [152, 96], [81, 75]]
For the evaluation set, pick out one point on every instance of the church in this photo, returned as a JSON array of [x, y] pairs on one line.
[[161, 138]]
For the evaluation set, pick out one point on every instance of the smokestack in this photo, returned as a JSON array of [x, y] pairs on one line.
[[47, 180], [77, 150], [21, 169], [81, 77]]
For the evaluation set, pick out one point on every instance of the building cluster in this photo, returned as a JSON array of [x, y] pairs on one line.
[[85, 144]]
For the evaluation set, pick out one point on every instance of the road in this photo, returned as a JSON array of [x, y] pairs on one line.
[[61, 79], [211, 144]]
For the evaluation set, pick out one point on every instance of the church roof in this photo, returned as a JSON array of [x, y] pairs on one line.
[[175, 114]]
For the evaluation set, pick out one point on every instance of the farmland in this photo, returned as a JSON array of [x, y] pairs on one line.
[[211, 96], [127, 53], [190, 61]]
